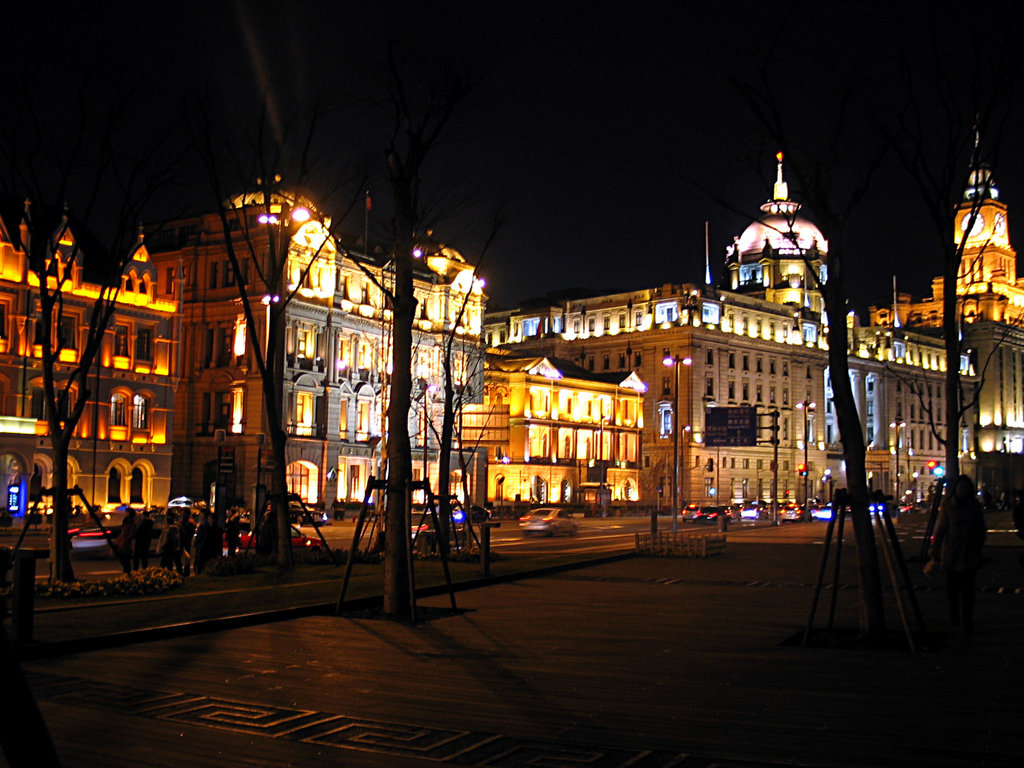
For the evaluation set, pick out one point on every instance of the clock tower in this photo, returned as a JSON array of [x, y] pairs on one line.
[[989, 261]]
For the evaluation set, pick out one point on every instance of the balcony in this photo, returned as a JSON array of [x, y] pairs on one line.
[[303, 363], [315, 431]]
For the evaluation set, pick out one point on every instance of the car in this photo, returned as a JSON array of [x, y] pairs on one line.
[[299, 541], [752, 510], [181, 502], [822, 511], [791, 511], [692, 513], [548, 521], [734, 511], [300, 514], [93, 538], [711, 512]]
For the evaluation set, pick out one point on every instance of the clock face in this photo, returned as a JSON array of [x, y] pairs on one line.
[[999, 226], [979, 224]]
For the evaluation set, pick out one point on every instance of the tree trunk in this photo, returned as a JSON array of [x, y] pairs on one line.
[[397, 593], [61, 568], [951, 338], [872, 611]]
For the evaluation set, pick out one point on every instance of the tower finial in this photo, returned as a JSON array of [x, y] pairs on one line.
[[781, 188]]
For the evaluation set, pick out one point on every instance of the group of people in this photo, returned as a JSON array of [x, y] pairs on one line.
[[183, 546]]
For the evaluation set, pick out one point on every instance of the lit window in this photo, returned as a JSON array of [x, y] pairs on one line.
[[140, 412], [118, 411], [710, 313], [666, 312]]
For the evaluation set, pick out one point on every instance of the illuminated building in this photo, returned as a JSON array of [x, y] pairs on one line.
[[990, 306], [758, 339], [120, 451], [898, 378], [337, 347], [556, 433]]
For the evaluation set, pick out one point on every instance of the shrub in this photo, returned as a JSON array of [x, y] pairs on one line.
[[143, 582]]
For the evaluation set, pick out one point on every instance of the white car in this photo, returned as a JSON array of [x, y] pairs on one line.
[[548, 521]]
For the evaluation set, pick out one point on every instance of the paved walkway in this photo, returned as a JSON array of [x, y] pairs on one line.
[[643, 662]]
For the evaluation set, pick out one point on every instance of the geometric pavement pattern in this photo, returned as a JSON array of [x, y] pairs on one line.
[[457, 747]]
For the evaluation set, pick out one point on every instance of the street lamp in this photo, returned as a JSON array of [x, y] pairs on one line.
[[674, 361], [897, 425], [807, 408]]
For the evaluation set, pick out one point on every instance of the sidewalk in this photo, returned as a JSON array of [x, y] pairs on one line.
[[642, 662]]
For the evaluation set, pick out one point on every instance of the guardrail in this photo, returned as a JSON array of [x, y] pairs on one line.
[[689, 544]]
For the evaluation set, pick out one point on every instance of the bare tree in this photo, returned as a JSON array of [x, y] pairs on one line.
[[937, 156], [255, 174], [834, 174], [86, 189], [420, 108]]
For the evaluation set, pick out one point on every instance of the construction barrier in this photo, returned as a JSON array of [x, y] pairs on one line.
[[689, 544]]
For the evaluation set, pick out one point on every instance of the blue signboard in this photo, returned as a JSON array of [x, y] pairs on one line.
[[730, 427], [14, 499]]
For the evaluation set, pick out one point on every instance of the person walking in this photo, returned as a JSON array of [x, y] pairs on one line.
[[188, 532], [168, 546], [143, 539], [233, 532], [126, 540], [957, 547]]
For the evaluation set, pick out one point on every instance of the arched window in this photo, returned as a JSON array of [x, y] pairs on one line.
[[135, 487], [114, 486], [566, 491], [539, 490]]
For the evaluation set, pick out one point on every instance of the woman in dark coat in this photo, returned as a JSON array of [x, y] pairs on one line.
[[957, 545], [143, 539]]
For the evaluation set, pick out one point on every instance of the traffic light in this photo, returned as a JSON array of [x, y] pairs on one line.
[[936, 469], [802, 470]]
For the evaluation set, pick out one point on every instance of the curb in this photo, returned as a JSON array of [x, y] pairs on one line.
[[48, 650]]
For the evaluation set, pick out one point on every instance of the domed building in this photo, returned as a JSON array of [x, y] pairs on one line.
[[780, 257]]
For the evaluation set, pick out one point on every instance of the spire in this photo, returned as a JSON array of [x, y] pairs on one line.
[[707, 257], [981, 184], [781, 188], [780, 202], [895, 304]]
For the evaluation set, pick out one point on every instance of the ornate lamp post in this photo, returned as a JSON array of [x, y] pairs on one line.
[[898, 425], [807, 408], [674, 361]]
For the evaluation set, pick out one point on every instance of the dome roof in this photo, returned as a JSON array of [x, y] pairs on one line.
[[781, 226], [775, 228]]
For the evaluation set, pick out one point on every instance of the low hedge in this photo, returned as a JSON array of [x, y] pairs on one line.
[[148, 581]]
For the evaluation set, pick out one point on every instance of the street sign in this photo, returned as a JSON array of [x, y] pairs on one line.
[[226, 461], [730, 427]]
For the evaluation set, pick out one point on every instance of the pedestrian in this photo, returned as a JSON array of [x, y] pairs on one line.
[[143, 539], [168, 546], [233, 532], [188, 532], [957, 546], [201, 530], [1018, 517], [126, 540], [266, 534], [209, 541]]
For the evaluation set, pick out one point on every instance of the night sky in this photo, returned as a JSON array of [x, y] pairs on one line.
[[606, 133]]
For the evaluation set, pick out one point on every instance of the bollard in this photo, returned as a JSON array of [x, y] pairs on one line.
[[23, 593], [485, 546], [723, 522]]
